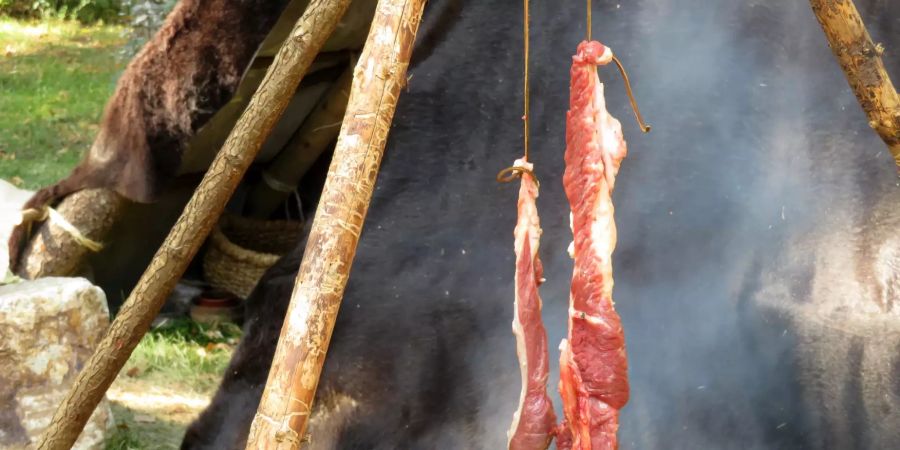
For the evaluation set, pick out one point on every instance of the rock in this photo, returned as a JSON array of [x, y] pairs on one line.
[[11, 201], [48, 329], [9, 194]]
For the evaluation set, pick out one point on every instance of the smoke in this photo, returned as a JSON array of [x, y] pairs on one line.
[[759, 155], [756, 264]]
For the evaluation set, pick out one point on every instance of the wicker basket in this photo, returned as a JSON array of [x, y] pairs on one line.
[[242, 249]]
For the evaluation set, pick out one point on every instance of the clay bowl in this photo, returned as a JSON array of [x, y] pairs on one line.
[[216, 306]]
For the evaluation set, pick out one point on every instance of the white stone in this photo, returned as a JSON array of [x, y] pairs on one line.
[[48, 330], [11, 201]]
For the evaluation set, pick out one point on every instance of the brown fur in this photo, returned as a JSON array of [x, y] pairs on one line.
[[187, 71]]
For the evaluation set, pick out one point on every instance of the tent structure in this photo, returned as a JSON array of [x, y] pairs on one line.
[[238, 100]]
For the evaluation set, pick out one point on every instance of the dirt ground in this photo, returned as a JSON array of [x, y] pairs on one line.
[[167, 382], [150, 416]]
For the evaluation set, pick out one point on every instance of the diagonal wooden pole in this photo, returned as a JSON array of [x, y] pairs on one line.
[[201, 212], [861, 61], [286, 403]]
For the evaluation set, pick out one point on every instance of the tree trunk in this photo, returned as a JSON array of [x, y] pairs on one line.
[[201, 212], [861, 61], [286, 403]]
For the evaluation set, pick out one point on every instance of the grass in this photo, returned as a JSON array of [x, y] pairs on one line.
[[55, 78], [183, 350], [167, 382]]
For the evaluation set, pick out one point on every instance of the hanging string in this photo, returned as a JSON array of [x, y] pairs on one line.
[[589, 20], [637, 112], [526, 18], [511, 173]]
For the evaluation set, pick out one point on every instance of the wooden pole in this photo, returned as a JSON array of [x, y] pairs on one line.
[[286, 403], [861, 61], [319, 130], [189, 232]]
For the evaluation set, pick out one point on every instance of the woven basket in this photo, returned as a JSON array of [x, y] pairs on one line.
[[242, 249]]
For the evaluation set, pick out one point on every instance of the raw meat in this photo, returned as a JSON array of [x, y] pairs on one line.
[[593, 368], [534, 422]]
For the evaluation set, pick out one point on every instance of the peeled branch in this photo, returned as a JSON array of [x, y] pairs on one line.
[[380, 74]]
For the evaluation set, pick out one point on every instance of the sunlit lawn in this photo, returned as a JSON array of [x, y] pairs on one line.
[[55, 78]]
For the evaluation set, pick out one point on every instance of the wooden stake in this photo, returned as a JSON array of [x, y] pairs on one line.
[[284, 410], [201, 212], [861, 61]]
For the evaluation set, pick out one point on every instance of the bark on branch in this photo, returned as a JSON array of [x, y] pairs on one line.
[[861, 61], [284, 410], [201, 212]]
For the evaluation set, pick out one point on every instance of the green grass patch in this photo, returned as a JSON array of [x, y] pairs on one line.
[[122, 438], [184, 352], [55, 78]]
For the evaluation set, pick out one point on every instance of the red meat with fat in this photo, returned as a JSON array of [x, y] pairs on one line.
[[593, 367], [534, 421]]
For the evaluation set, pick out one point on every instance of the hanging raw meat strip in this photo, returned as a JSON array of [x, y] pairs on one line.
[[593, 369], [534, 422]]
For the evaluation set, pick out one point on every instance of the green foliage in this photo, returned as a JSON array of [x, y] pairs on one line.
[[145, 17], [17, 8], [141, 15], [55, 78], [85, 11]]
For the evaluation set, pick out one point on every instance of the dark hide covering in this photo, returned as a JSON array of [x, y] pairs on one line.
[[756, 271], [182, 76]]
